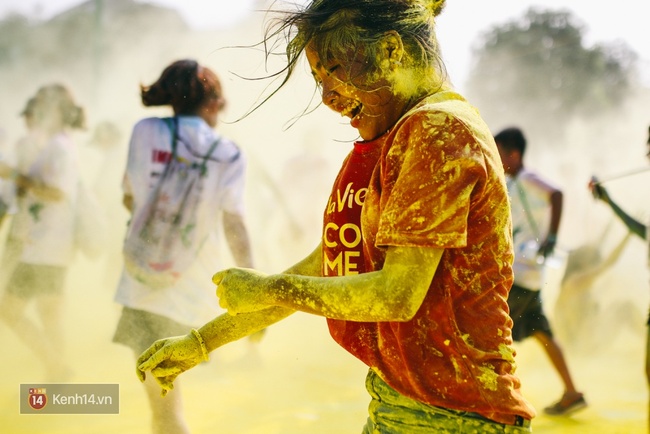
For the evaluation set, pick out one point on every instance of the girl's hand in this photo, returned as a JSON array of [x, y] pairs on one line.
[[597, 190], [170, 357], [242, 290]]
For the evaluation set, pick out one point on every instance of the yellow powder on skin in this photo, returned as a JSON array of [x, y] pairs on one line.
[[488, 377], [406, 82]]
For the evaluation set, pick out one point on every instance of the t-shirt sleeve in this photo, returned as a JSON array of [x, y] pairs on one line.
[[138, 176], [430, 173]]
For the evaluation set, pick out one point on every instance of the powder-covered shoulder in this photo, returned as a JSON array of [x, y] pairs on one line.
[[450, 109], [440, 127]]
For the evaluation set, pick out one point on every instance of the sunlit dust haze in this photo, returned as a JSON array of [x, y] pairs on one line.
[[297, 380]]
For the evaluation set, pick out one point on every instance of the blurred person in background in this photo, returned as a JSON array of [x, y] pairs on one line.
[[105, 156], [536, 207], [6, 187], [42, 233], [194, 94], [636, 227], [20, 157]]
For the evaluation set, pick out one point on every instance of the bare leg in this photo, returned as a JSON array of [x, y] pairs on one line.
[[12, 313], [166, 412], [571, 400], [554, 352], [51, 311]]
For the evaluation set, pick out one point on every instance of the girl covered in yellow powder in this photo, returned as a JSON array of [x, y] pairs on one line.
[[414, 265]]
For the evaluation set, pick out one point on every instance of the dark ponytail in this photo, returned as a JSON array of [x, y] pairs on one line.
[[184, 85]]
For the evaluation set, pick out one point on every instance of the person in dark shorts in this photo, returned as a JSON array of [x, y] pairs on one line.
[[536, 207]]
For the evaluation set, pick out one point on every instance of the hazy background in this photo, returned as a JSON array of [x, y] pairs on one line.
[[297, 380]]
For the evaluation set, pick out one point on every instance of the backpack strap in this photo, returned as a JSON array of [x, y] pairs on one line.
[[207, 156], [172, 124]]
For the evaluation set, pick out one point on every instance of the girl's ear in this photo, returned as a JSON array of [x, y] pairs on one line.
[[392, 49]]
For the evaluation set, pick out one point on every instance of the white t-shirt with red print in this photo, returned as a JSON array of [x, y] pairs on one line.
[[192, 300]]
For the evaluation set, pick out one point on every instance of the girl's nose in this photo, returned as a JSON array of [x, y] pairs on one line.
[[330, 97]]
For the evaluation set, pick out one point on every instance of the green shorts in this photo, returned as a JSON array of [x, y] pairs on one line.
[[33, 280], [139, 329], [393, 413]]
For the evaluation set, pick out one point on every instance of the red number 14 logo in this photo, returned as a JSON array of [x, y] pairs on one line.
[[37, 398]]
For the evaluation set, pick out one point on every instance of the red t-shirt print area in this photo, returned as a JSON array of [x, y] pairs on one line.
[[342, 242]]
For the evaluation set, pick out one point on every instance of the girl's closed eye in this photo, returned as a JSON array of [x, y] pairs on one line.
[[331, 69]]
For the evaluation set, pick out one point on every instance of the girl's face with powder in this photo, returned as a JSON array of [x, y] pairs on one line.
[[367, 99]]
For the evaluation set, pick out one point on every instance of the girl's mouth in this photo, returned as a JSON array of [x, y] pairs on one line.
[[352, 109]]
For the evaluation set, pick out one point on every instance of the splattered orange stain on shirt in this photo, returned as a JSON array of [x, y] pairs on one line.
[[439, 184]]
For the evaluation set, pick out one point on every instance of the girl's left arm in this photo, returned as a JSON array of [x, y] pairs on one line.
[[393, 293], [39, 189]]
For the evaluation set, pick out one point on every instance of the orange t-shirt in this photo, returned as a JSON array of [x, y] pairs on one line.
[[440, 184]]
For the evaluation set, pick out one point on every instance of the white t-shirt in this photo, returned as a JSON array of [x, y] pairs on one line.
[[47, 227], [531, 212], [20, 156], [192, 300]]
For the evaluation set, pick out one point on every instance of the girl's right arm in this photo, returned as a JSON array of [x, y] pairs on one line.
[[168, 358], [228, 328], [635, 226]]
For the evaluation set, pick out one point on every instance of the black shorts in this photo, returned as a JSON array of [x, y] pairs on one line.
[[33, 280], [138, 329], [527, 313]]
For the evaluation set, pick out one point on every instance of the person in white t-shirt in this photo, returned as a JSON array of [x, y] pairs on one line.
[[20, 158], [536, 207], [46, 182], [6, 187], [195, 95]]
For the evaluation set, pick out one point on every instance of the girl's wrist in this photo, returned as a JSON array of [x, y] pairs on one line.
[[201, 342]]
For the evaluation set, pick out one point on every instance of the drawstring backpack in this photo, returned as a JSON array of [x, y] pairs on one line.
[[165, 236]]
